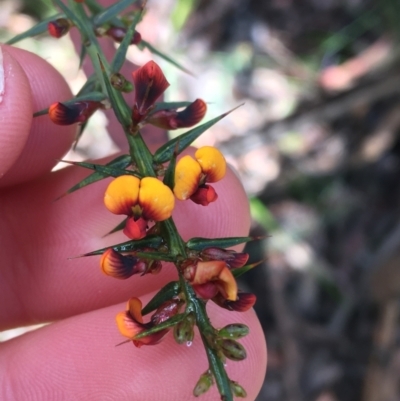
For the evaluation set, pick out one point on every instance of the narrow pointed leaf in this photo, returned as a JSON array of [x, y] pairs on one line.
[[110, 12], [165, 152], [163, 257], [198, 244], [166, 293], [41, 27], [119, 227], [172, 321], [81, 129], [82, 56], [120, 54], [169, 177], [121, 162], [94, 96], [106, 171], [164, 56], [129, 246], [121, 109], [71, 15], [242, 270]]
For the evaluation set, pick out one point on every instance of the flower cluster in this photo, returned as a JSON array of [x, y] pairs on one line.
[[146, 187]]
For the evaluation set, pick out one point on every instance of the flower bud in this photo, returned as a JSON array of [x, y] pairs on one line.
[[244, 302], [234, 331], [232, 349], [183, 330], [59, 27], [232, 258], [119, 82], [78, 112], [118, 34], [165, 311], [238, 390], [204, 384]]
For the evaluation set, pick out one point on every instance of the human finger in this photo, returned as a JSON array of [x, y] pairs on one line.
[[30, 147]]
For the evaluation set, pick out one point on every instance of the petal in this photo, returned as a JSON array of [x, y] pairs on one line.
[[244, 302], [77, 112], [204, 195], [127, 326], [156, 199], [135, 229], [122, 194], [187, 177], [212, 163], [208, 271], [206, 291], [135, 309], [116, 265], [150, 84], [172, 119], [227, 285], [165, 311], [192, 115]]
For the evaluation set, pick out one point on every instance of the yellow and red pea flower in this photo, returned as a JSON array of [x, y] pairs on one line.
[[120, 266], [78, 112], [141, 200], [130, 323], [191, 174], [210, 278]]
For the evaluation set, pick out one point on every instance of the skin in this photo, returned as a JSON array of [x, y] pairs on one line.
[[75, 358]]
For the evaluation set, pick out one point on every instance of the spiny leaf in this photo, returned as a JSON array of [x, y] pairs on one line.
[[166, 293], [172, 321], [110, 12], [94, 96], [105, 170], [82, 56], [242, 270], [120, 54], [165, 152], [198, 244], [169, 177], [164, 56], [119, 227], [41, 27], [121, 109], [129, 246], [120, 162]]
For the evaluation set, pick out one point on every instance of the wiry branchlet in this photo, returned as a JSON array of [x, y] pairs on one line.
[[119, 82], [184, 330], [237, 389], [232, 349], [234, 331], [59, 27], [203, 385]]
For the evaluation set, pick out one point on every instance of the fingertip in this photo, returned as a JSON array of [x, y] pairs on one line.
[[15, 109], [44, 142]]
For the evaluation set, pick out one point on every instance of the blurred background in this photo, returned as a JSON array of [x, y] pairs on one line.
[[317, 146]]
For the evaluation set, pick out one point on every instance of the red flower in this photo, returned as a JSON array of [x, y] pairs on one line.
[[150, 84], [244, 302], [118, 34], [78, 112]]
